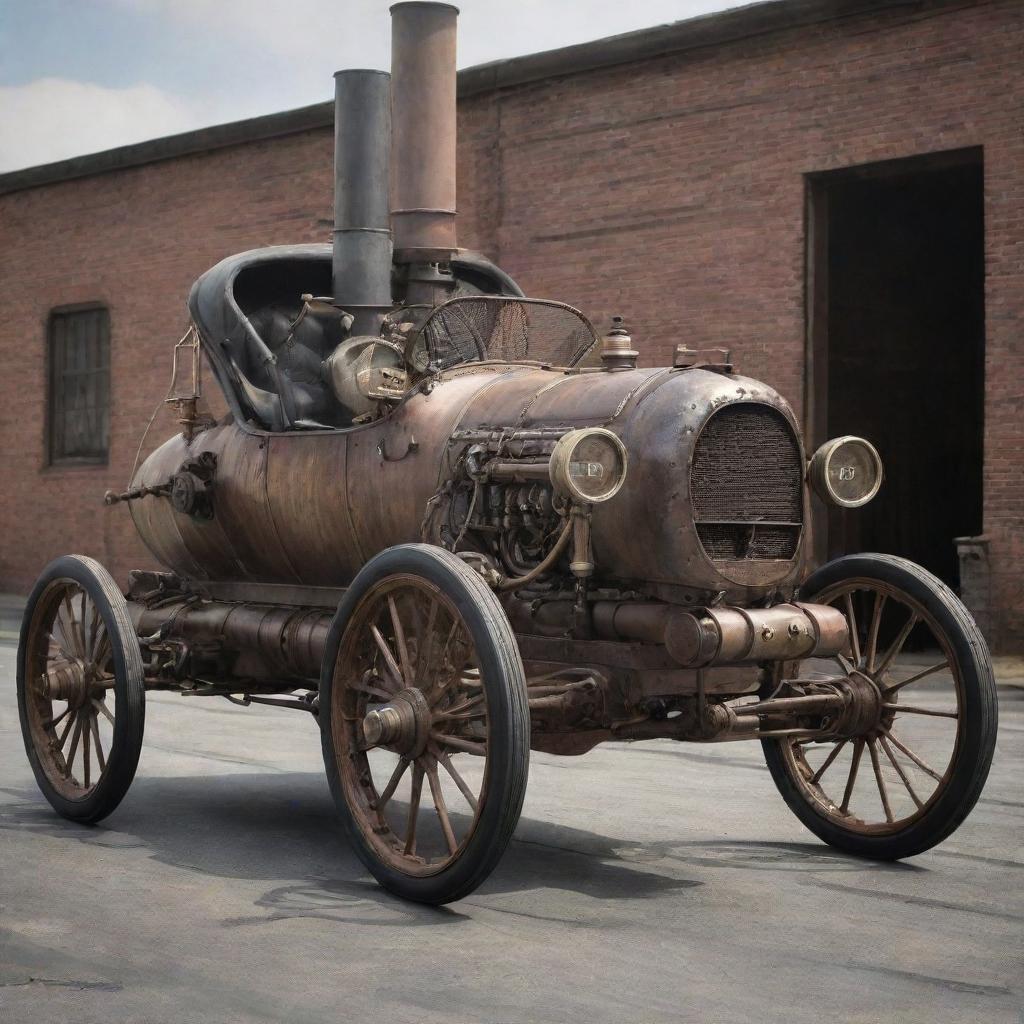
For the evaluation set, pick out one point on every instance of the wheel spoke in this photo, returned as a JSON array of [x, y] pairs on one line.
[[928, 770], [446, 762], [95, 726], [403, 648], [897, 644], [76, 735], [60, 647], [86, 759], [101, 706], [858, 749], [441, 808], [851, 619], [456, 677], [845, 664], [389, 658], [881, 782], [77, 641], [426, 648], [67, 643], [101, 644], [916, 677], [467, 711], [470, 716], [414, 808], [458, 709], [900, 772], [876, 621], [456, 628], [389, 789], [816, 777], [372, 691], [94, 624], [82, 625], [67, 729], [911, 710], [458, 743], [54, 722]]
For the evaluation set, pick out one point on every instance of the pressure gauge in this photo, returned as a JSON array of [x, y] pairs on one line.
[[588, 465], [846, 471]]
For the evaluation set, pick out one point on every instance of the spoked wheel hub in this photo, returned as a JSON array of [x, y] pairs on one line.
[[425, 722], [402, 725], [904, 758], [863, 713]]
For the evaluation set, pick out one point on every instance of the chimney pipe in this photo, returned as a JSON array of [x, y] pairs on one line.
[[361, 267], [423, 131]]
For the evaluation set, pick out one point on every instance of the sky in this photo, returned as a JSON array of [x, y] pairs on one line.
[[80, 76]]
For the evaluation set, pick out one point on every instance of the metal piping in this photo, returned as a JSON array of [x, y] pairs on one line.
[[361, 268], [423, 131]]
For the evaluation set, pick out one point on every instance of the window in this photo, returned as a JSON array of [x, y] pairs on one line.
[[79, 394]]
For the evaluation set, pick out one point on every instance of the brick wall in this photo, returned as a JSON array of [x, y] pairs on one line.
[[670, 191]]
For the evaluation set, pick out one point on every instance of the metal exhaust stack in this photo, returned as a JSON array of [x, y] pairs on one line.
[[361, 268], [423, 131]]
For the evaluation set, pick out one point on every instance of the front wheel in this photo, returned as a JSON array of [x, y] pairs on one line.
[[425, 723], [911, 778]]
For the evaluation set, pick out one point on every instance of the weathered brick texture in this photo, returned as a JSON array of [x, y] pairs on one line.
[[671, 191]]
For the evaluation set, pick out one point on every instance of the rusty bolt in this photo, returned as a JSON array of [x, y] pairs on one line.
[[767, 632], [794, 629]]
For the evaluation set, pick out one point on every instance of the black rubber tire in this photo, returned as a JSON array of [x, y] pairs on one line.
[[129, 690], [508, 712], [977, 742]]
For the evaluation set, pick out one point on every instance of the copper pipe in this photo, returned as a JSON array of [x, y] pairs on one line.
[[516, 582]]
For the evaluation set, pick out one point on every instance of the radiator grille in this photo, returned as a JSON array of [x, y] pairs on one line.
[[746, 485]]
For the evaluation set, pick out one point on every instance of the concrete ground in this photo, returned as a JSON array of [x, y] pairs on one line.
[[655, 882]]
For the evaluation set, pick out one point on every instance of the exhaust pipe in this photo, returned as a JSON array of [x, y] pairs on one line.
[[423, 131], [361, 267]]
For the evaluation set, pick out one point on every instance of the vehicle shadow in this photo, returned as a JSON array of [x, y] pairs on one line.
[[283, 826]]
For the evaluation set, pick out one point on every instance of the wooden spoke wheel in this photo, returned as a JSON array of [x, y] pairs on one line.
[[425, 723], [911, 774], [81, 696]]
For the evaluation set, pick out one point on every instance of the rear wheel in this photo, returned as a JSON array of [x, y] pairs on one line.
[[81, 693], [912, 777], [425, 723]]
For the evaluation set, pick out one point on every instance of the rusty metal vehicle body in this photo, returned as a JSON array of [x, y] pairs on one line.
[[427, 522]]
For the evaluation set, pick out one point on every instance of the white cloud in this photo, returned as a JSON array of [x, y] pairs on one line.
[[270, 55], [54, 118], [330, 34]]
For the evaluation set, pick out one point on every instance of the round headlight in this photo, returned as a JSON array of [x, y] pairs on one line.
[[588, 465], [846, 471]]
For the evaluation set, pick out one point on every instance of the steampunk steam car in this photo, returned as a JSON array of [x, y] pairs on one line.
[[429, 520]]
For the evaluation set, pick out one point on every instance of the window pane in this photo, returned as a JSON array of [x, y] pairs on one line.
[[79, 385]]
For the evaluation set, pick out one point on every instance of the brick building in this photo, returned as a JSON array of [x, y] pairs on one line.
[[832, 189]]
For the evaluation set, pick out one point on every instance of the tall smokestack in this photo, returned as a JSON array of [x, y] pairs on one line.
[[423, 131], [361, 268]]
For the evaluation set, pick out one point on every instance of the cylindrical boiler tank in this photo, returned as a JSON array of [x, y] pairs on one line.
[[312, 507]]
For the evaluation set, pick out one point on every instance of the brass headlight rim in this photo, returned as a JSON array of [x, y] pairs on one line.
[[561, 456], [821, 460]]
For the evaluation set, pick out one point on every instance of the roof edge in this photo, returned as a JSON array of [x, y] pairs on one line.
[[717, 28]]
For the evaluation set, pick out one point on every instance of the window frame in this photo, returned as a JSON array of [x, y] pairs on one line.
[[52, 458]]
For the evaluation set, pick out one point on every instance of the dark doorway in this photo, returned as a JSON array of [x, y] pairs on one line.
[[896, 348]]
